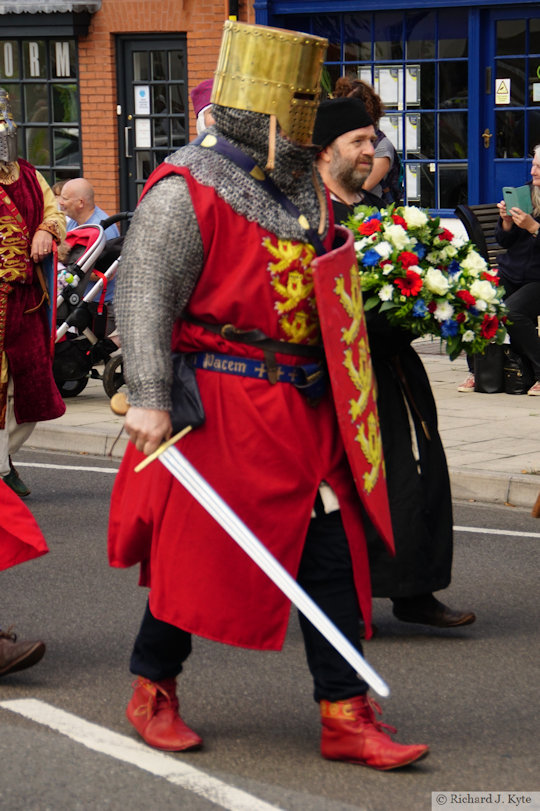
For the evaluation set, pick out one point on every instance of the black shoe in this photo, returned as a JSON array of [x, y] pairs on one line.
[[427, 610], [14, 481]]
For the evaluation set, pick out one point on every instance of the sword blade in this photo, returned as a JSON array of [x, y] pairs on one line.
[[207, 497]]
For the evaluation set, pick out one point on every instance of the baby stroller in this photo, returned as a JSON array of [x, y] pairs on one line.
[[82, 341]]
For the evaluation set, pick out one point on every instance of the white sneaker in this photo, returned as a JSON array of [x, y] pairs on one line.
[[468, 384]]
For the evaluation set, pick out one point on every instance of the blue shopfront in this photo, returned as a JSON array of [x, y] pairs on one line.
[[460, 82]]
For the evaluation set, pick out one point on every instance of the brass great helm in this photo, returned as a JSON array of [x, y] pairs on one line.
[[8, 130], [272, 71]]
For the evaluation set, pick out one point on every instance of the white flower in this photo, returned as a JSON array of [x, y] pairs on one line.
[[417, 269], [483, 290], [474, 263], [444, 311], [386, 292], [458, 242], [448, 252], [414, 217], [436, 282], [387, 269], [467, 336], [481, 305], [397, 235], [384, 249], [360, 244]]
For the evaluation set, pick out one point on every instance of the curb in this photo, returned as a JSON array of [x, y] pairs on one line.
[[494, 488], [467, 485]]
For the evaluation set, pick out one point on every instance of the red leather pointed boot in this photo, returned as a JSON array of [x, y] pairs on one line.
[[153, 711], [351, 732]]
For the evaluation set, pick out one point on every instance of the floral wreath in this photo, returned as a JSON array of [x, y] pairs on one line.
[[427, 280]]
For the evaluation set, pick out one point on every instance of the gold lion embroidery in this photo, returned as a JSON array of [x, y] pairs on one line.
[[361, 376], [292, 282], [353, 304]]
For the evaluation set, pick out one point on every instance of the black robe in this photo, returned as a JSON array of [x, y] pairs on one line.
[[418, 490]]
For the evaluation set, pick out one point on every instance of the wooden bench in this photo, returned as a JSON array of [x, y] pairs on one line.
[[480, 223]]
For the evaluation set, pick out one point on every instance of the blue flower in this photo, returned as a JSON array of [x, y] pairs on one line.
[[454, 267], [376, 216], [371, 258], [419, 310], [449, 328], [420, 250]]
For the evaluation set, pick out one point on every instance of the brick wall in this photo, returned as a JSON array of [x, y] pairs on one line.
[[202, 23]]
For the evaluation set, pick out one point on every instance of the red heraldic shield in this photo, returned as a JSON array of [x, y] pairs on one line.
[[341, 313]]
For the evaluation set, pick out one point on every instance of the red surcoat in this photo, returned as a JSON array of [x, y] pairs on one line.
[[263, 448], [20, 536]]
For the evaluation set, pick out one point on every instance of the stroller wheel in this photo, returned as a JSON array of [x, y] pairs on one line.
[[71, 388], [113, 375]]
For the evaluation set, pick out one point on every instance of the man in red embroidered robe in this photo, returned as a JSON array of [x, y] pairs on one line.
[[212, 243], [29, 222]]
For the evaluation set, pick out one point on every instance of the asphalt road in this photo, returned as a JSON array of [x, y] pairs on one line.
[[472, 694]]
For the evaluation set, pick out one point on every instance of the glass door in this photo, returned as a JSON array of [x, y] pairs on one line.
[[153, 113], [510, 128]]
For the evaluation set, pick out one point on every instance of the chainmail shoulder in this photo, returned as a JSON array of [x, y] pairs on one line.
[[162, 257], [293, 173]]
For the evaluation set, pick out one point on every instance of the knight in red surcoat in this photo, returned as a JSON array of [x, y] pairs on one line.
[[219, 266]]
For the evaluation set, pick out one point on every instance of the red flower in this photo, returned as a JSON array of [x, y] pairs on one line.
[[407, 258], [411, 284], [489, 326], [468, 299], [446, 234], [460, 318], [432, 306], [369, 227], [399, 221], [491, 277]]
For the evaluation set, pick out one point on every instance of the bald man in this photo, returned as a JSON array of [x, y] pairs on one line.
[[77, 200]]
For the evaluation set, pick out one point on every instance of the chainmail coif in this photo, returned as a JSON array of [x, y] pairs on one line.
[[163, 252]]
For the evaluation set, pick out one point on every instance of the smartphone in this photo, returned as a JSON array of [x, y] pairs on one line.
[[518, 197]]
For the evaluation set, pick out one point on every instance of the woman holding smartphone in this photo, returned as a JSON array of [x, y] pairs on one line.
[[519, 271]]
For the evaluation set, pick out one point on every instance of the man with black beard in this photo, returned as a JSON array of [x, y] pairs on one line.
[[416, 469]]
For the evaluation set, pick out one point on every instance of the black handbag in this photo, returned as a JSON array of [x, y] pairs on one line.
[[489, 370], [187, 407], [518, 374]]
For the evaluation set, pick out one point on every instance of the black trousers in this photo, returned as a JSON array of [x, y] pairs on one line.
[[523, 304], [326, 575]]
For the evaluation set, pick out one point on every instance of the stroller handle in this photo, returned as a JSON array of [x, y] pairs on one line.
[[120, 217]]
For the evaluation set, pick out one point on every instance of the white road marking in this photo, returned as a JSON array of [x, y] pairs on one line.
[[477, 530], [106, 742], [508, 532], [69, 467]]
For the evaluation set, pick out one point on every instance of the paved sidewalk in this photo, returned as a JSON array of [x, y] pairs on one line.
[[492, 441]]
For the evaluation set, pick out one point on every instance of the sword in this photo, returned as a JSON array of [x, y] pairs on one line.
[[184, 472]]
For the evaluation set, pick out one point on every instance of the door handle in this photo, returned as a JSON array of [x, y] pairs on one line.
[[127, 152], [487, 136]]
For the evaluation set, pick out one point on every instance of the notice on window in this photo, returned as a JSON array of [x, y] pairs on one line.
[[143, 138], [142, 100], [502, 91]]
